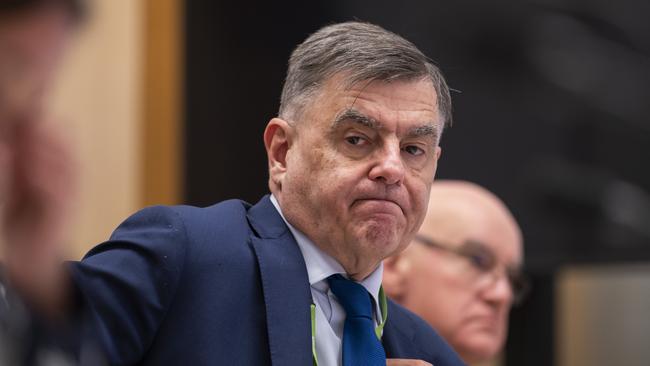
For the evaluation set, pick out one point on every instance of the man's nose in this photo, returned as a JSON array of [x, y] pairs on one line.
[[388, 167], [499, 289]]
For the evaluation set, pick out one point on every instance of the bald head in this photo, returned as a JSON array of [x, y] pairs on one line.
[[458, 209], [455, 275]]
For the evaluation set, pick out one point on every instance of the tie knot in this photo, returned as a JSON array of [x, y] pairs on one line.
[[354, 298]]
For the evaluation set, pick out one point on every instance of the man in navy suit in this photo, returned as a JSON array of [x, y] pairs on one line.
[[351, 158]]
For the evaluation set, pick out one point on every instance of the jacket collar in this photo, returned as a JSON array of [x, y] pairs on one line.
[[285, 284]]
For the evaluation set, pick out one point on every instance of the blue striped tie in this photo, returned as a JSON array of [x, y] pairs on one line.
[[360, 344]]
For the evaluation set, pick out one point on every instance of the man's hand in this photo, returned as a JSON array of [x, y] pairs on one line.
[[404, 362], [38, 193]]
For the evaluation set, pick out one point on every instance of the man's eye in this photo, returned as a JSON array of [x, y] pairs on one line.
[[413, 150], [481, 262], [354, 140]]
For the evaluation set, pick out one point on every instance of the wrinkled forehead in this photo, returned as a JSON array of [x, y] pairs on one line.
[[346, 96]]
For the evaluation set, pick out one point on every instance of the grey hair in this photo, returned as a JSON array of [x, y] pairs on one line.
[[363, 52]]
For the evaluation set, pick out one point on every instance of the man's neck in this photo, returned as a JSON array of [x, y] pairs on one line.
[[355, 268]]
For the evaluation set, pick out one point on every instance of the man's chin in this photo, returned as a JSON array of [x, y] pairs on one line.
[[377, 229], [481, 346]]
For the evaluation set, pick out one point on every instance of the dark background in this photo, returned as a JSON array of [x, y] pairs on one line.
[[551, 113]]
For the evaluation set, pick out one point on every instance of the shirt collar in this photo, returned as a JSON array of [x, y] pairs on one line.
[[321, 265]]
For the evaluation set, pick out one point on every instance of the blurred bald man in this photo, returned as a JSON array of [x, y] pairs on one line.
[[462, 273]]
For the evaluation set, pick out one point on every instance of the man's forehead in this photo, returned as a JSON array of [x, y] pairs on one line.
[[341, 85], [457, 222], [412, 95], [417, 128]]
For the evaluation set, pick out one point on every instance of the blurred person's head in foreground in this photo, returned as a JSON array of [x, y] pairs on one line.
[[462, 271], [35, 166], [33, 34]]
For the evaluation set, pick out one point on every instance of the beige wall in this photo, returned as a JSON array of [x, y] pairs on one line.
[[98, 101], [603, 316]]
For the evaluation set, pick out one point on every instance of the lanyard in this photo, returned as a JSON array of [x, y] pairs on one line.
[[379, 329]]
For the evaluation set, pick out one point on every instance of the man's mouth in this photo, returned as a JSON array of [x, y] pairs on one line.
[[489, 322], [379, 206]]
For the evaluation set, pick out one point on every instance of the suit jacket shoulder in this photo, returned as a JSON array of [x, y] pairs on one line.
[[181, 285], [161, 277]]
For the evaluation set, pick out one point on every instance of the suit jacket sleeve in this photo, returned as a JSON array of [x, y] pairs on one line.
[[128, 282]]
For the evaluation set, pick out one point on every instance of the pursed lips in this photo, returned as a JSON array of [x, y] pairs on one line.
[[379, 201]]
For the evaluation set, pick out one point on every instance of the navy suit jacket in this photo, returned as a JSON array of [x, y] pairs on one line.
[[222, 285]]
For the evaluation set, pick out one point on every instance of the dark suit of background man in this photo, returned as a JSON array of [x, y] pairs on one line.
[[351, 158]]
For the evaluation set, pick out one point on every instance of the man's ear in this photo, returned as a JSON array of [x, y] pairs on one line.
[[395, 278], [278, 137]]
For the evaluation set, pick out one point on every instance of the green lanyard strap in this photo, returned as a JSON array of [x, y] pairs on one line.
[[313, 334], [383, 307]]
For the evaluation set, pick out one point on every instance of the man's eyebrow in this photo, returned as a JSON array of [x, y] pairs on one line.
[[427, 129], [352, 115]]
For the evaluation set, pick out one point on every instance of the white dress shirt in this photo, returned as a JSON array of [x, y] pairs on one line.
[[330, 315]]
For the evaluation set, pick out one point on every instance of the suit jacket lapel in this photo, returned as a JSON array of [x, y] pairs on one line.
[[395, 338], [285, 283]]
